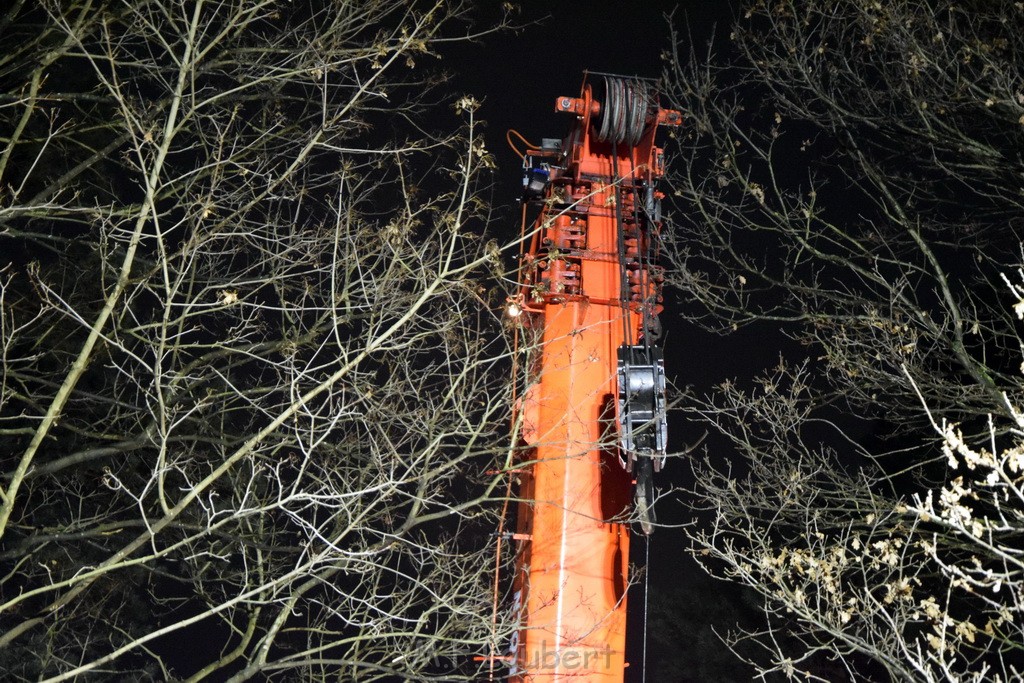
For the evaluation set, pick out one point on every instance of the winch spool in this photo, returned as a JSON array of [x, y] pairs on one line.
[[624, 111]]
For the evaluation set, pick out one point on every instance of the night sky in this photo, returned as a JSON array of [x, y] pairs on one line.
[[517, 77]]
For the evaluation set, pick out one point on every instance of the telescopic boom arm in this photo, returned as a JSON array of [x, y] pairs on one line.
[[593, 414]]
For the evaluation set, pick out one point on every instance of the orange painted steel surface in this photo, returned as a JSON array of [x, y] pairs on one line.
[[573, 543]]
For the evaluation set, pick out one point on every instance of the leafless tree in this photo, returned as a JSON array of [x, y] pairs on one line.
[[851, 175], [252, 378]]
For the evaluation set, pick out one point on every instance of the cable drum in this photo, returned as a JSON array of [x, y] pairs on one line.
[[624, 111]]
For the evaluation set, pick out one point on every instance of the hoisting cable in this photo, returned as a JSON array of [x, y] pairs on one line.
[[647, 583], [620, 238], [625, 110], [628, 118], [645, 242], [645, 234]]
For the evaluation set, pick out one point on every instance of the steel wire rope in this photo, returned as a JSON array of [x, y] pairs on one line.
[[631, 131], [647, 583], [635, 109], [645, 234], [645, 228], [620, 239]]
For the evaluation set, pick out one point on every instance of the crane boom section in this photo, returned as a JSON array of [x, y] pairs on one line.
[[593, 413]]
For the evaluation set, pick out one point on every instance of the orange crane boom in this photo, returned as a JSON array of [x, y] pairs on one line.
[[593, 415]]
